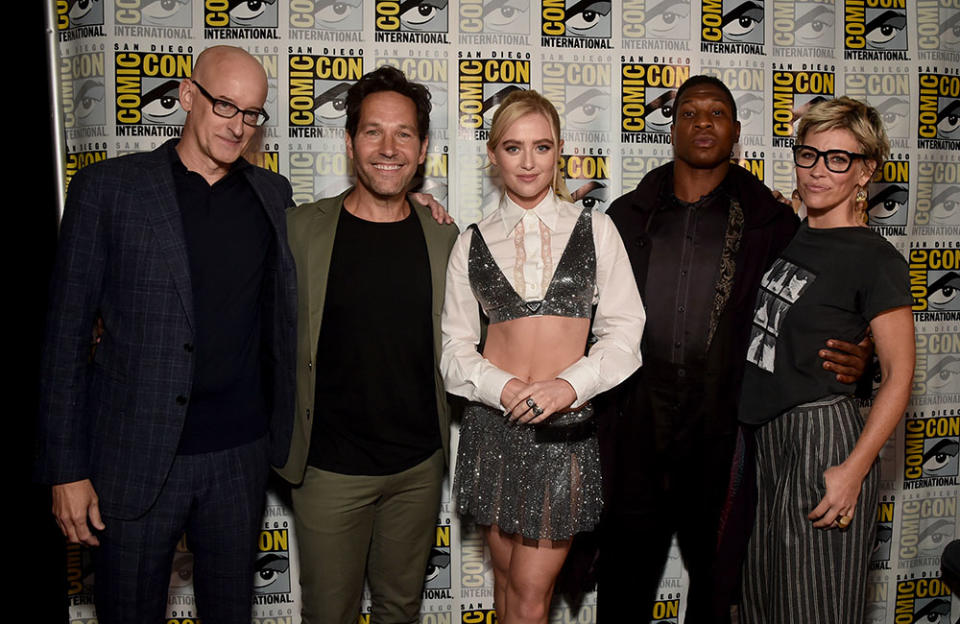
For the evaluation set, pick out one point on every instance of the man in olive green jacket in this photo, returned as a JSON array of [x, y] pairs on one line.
[[372, 424]]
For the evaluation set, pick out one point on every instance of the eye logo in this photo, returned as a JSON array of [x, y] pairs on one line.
[[731, 26], [875, 30], [79, 13], [240, 13], [147, 88], [575, 18], [411, 15]]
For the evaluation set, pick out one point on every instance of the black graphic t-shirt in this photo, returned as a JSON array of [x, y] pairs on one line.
[[828, 283]]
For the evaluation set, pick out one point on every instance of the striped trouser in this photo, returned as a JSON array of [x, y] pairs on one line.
[[795, 573]]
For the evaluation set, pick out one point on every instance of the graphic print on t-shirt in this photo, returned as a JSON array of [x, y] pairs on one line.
[[780, 288]]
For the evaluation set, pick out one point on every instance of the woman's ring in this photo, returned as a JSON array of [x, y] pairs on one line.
[[843, 521]]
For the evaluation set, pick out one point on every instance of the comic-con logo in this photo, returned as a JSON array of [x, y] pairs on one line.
[[437, 578], [495, 17], [80, 575], [939, 118], [923, 600], [82, 90], [930, 451], [310, 19], [271, 573], [794, 92], [316, 174], [875, 30], [636, 162], [431, 72], [159, 13], [478, 615], [147, 89], [83, 18], [576, 23], [926, 527], [888, 196], [588, 179], [935, 283], [938, 29], [78, 160], [483, 84], [581, 94], [880, 557], [746, 85], [411, 21], [646, 23], [753, 163], [649, 91], [808, 25], [889, 93], [666, 609], [267, 157], [271, 67], [434, 180], [318, 91], [731, 26], [936, 377], [938, 198]]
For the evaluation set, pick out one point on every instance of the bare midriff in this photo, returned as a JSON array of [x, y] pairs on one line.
[[536, 348]]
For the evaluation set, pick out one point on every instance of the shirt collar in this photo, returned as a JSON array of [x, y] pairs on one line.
[[548, 211]]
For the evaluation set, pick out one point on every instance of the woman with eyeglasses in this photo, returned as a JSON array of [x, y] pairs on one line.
[[817, 468]]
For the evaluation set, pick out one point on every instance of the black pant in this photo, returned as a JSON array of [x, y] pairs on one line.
[[666, 455]]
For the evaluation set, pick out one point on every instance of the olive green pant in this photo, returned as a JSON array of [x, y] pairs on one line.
[[383, 527]]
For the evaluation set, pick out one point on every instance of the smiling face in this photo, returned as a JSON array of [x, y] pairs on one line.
[[527, 157], [210, 142], [386, 149], [704, 131], [826, 192]]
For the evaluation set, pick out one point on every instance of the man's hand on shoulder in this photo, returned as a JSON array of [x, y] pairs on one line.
[[439, 213], [73, 504]]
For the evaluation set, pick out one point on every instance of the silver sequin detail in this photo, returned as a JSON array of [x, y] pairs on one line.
[[538, 482], [570, 293]]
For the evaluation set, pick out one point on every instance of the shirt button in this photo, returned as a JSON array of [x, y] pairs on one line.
[[181, 400], [188, 347], [677, 344], [680, 309], [310, 365], [682, 372], [683, 273]]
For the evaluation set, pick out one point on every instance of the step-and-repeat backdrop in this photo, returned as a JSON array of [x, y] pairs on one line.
[[611, 67]]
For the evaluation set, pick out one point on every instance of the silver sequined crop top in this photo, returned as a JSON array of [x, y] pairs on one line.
[[569, 294]]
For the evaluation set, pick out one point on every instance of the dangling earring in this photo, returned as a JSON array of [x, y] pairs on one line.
[[860, 205]]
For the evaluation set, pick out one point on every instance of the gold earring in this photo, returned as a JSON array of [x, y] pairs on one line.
[[861, 204]]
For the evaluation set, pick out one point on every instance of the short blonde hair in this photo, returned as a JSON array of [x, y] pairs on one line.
[[515, 106], [862, 120]]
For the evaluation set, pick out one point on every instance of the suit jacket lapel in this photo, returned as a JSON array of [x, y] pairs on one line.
[[168, 228], [437, 254], [323, 232]]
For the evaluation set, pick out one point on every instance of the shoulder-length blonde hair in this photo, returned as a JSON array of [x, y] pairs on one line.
[[515, 106]]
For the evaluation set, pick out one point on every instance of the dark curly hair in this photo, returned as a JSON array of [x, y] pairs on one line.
[[388, 78]]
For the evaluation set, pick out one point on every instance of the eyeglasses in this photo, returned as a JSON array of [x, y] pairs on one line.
[[837, 161], [223, 108]]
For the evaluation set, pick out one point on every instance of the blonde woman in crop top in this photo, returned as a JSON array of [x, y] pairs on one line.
[[528, 468]]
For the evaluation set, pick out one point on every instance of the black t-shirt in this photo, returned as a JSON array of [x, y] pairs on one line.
[[376, 400], [828, 283]]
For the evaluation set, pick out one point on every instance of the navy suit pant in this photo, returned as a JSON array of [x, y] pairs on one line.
[[217, 499]]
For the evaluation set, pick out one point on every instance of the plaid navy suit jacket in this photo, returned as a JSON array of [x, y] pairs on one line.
[[122, 255]]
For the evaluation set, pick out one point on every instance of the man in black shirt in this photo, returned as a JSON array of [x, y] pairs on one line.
[[170, 425], [372, 422], [700, 233]]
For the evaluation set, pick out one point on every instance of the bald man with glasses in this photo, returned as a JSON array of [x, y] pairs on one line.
[[171, 424]]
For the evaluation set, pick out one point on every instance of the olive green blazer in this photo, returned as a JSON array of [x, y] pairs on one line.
[[311, 229]]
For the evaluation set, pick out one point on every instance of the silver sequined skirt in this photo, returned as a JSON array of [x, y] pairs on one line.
[[541, 482]]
